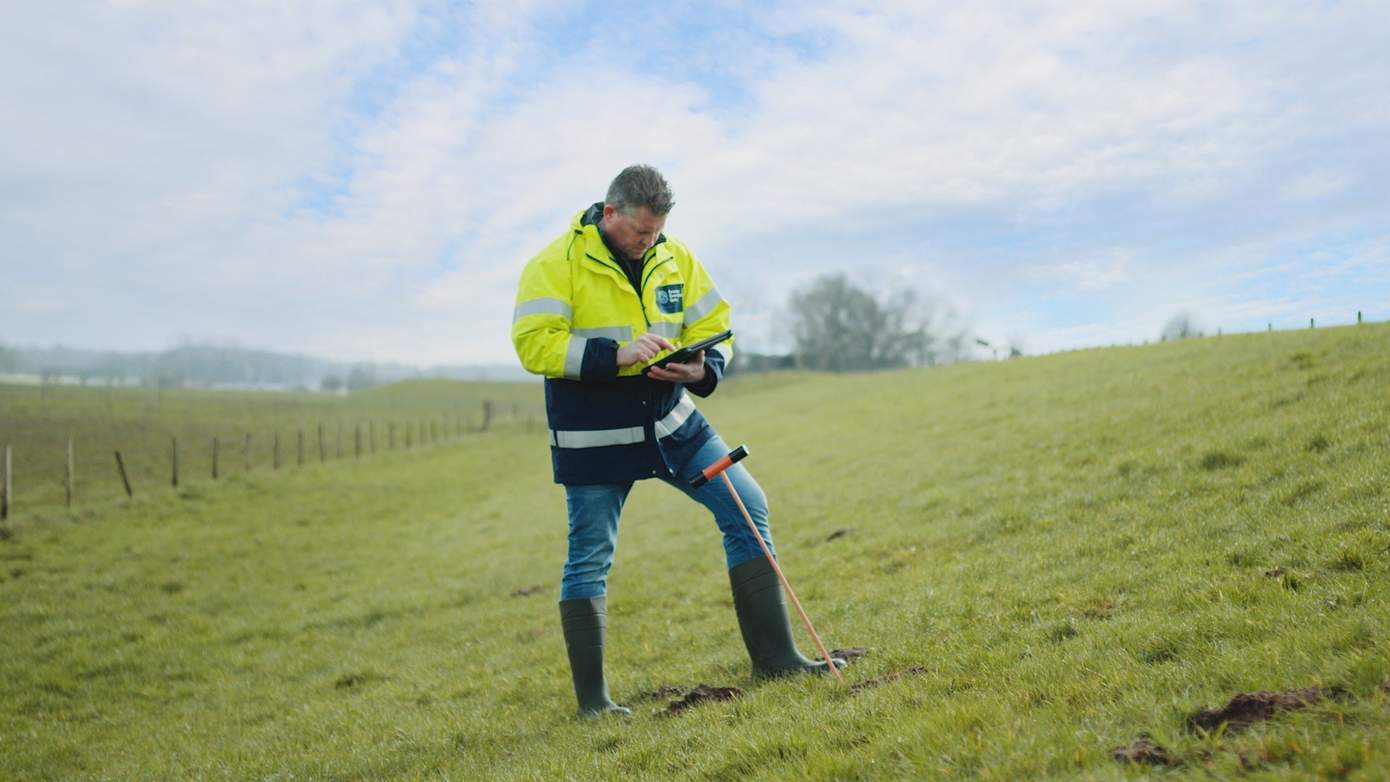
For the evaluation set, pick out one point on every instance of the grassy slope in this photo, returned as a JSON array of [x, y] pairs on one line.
[[1075, 547]]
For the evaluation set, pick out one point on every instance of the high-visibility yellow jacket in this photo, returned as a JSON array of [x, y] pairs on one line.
[[575, 306]]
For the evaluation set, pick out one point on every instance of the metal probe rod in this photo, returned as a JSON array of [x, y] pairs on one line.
[[820, 647]]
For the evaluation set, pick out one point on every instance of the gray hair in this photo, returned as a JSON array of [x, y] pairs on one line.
[[639, 186]]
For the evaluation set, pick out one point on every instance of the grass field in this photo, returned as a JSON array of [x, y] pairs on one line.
[[1047, 559]]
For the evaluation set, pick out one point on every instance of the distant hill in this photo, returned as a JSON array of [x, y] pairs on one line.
[[223, 367]]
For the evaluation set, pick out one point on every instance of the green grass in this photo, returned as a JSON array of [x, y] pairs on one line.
[[1076, 549], [36, 422]]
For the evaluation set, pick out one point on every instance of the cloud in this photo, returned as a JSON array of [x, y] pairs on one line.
[[1316, 185], [1090, 274], [368, 178]]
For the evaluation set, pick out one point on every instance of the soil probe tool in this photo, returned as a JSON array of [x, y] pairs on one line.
[[719, 468]]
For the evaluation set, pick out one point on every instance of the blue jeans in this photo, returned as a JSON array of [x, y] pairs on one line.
[[594, 511]]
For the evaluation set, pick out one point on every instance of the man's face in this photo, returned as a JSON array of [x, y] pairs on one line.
[[631, 233]]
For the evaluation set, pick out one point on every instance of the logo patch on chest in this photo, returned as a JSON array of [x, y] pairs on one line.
[[670, 298]]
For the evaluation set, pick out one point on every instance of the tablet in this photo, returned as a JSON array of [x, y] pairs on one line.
[[688, 352]]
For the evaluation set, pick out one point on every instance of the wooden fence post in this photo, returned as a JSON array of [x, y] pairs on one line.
[[72, 478], [6, 487], [1358, 317], [371, 436], [275, 453], [323, 454], [174, 459], [125, 480], [487, 414], [357, 441], [299, 434], [214, 458], [1310, 323]]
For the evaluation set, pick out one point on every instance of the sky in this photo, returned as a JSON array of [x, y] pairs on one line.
[[366, 180]]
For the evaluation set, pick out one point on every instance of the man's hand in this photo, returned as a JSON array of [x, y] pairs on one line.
[[693, 371], [642, 349]]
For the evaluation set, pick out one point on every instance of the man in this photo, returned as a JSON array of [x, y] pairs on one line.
[[593, 310]]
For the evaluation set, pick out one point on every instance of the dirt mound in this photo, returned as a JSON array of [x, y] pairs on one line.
[[1248, 708], [1143, 750], [885, 678], [701, 694], [850, 653]]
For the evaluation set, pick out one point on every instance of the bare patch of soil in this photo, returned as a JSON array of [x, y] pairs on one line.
[[1248, 708], [916, 670], [351, 681], [1143, 750], [527, 591], [839, 533], [850, 653], [664, 691], [703, 693]]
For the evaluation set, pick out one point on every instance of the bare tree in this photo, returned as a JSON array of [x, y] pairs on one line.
[[1182, 326], [1016, 346], [841, 327]]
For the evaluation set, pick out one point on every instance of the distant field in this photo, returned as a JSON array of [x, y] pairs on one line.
[[1046, 558], [142, 423]]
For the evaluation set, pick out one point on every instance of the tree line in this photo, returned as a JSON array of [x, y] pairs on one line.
[[216, 365], [837, 326]]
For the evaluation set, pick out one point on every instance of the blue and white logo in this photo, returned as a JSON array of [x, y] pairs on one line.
[[670, 298]]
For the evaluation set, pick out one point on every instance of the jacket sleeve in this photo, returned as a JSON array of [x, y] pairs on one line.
[[541, 323], [706, 314]]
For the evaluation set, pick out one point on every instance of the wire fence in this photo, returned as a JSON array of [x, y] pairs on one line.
[[138, 460]]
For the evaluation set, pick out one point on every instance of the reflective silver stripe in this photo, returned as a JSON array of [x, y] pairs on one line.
[[667, 330], [704, 306], [667, 426], [597, 438], [543, 307], [617, 333], [574, 357]]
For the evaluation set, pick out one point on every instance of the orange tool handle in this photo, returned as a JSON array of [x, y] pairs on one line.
[[724, 463]]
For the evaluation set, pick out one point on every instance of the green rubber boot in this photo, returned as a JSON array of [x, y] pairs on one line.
[[763, 620], [585, 622]]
